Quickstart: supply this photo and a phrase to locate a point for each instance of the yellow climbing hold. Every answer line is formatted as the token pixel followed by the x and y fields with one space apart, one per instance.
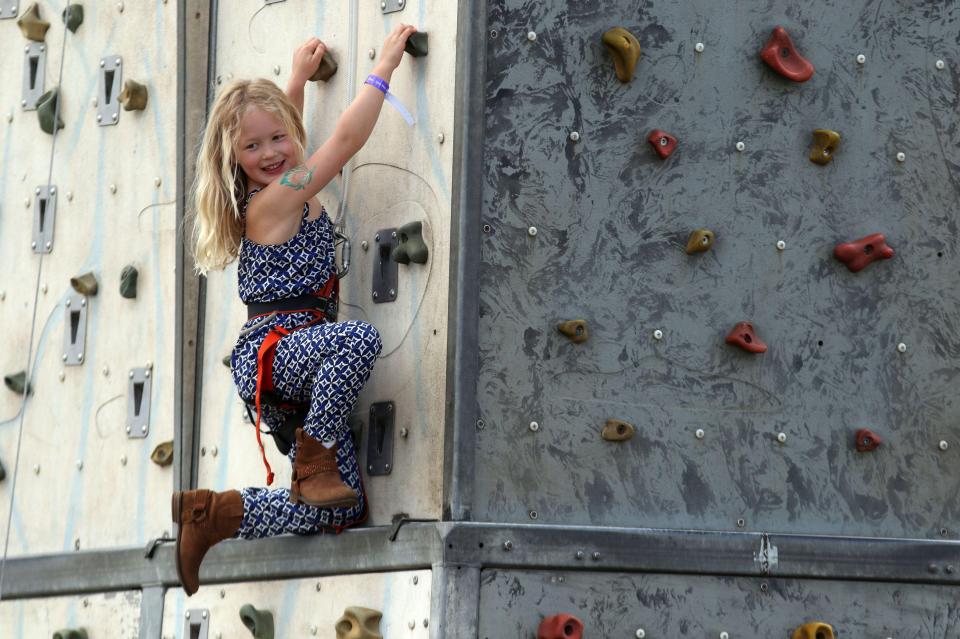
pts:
pixel 133 97
pixel 825 142
pixel 814 630
pixel 576 330
pixel 359 623
pixel 699 241
pixel 616 430
pixel 625 49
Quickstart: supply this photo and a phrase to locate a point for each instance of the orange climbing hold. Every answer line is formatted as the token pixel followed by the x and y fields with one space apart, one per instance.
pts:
pixel 744 336
pixel 858 254
pixel 814 630
pixel 562 626
pixel 781 56
pixel 662 142
pixel 867 440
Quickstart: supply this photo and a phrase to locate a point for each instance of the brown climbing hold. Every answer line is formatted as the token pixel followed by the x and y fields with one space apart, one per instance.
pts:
pixel 576 330
pixel 662 142
pixel 867 440
pixel 562 626
pixel 133 97
pixel 32 25
pixel 326 70
pixel 699 241
pixel 781 56
pixel 744 336
pixel 825 142
pixel 814 630
pixel 625 50
pixel 162 455
pixel 85 284
pixel 616 430
pixel 359 623
pixel 859 253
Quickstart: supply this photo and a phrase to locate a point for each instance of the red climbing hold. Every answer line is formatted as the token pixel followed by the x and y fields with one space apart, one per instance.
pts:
pixel 867 440
pixel 562 626
pixel 746 338
pixel 780 54
pixel 856 255
pixel 662 142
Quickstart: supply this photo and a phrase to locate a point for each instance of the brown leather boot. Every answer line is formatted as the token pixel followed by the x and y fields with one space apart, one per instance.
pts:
pixel 205 518
pixel 316 477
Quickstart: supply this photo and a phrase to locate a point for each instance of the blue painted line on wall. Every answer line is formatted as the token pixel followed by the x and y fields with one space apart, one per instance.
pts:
pixel 288 608
pixel 212 364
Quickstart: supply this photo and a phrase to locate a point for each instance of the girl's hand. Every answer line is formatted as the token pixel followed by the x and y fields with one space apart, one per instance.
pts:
pixel 392 51
pixel 306 59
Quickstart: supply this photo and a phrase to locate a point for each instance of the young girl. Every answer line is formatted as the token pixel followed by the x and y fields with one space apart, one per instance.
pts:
pixel 255 199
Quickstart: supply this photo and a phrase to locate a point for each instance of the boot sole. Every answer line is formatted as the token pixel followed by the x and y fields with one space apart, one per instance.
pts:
pixel 330 504
pixel 175 506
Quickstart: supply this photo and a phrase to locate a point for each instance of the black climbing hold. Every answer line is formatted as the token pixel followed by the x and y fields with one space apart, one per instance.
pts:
pixel 47 111
pixel 17 382
pixel 410 245
pixel 417 44
pixel 79 633
pixel 258 622
pixel 3 472
pixel 73 17
pixel 85 284
pixel 326 70
pixel 128 282
pixel 226 361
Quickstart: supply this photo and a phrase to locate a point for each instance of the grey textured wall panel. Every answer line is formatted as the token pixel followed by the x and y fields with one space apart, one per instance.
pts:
pixel 612 220
pixel 513 603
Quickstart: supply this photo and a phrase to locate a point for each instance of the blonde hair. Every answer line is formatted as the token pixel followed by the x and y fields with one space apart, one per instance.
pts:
pixel 220 183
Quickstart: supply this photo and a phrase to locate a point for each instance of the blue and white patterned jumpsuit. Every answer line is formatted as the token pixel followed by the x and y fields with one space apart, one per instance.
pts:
pixel 325 364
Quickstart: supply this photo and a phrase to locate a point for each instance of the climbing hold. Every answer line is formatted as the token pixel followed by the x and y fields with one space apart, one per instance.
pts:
pixel 417 44
pixel 85 284
pixel 825 142
pixel 73 17
pixel 781 56
pixel 814 630
pixel 576 330
pixel 562 626
pixel 625 50
pixel 32 25
pixel 326 70
pixel 867 440
pixel 662 142
pixel 133 96
pixel 359 623
pixel 226 361
pixel 162 455
pixel 3 472
pixel 258 622
pixel 616 430
pixel 410 245
pixel 858 254
pixel 745 337
pixel 128 282
pixel 47 110
pixel 699 241
pixel 17 382
pixel 79 633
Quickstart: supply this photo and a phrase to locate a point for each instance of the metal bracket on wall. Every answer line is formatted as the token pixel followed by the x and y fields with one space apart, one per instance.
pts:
pixel 138 402
pixel 44 216
pixel 34 72
pixel 75 329
pixel 380 439
pixel 9 9
pixel 392 6
pixel 385 271
pixel 108 102
pixel 196 623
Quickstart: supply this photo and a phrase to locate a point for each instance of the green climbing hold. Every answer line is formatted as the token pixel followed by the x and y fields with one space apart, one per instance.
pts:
pixel 32 25
pixel 226 361
pixel 47 110
pixel 162 455
pixel 326 70
pixel 417 44
pixel 79 633
pixel 73 17
pixel 410 245
pixel 85 284
pixel 258 622
pixel 17 382
pixel 128 282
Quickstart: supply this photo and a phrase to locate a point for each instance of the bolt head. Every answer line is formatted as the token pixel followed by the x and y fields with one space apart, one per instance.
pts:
pixel 532 231
pixel 596 556
pixel 276 69
pixel 157 182
pixel 782 438
pixel 508 545
pixel 204 614
pixel 534 426
pixel 944 445
pixel 640 633
pixel 781 245
pixel 79 464
pixel 441 138
pixel 699 434
pixel 902 347
pixel 579 554
pixel 36 469
pixel 698 47
pixel 372 53
pixel 114 117
pixel 62 376
pixel 861 59
pixel 64 358
pixel 741 146
pixel 103 62
pixel 532 36
pixel 574 136
pixel 658 334
pixel 129 429
pixel 941 64
pixel 724 635
pixel 123 460
pixel 901 157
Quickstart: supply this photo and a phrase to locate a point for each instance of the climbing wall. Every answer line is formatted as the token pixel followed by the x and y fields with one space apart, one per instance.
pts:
pixel 583 220
pixel 513 604
pixel 305 608
pixel 102 360
pixel 114 614
pixel 402 175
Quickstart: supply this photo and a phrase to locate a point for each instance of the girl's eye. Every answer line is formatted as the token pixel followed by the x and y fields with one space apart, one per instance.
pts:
pixel 277 138
pixel 251 147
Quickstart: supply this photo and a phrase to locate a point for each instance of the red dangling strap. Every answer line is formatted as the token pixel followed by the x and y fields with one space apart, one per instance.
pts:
pixel 265 382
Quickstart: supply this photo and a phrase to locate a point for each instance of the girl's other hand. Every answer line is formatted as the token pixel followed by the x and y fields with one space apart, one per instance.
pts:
pixel 306 59
pixel 393 46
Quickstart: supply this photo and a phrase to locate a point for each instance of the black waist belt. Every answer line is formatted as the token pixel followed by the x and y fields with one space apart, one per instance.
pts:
pixel 308 302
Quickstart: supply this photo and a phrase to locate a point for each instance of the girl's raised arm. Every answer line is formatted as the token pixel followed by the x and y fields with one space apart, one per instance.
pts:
pixel 283 199
pixel 306 59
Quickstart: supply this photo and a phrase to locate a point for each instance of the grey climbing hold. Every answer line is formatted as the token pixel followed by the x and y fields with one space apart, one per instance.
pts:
pixel 258 622
pixel 47 110
pixel 17 382
pixel 73 17
pixel 326 70
pixel 410 245
pixel 226 361
pixel 417 44
pixel 128 282
pixel 85 284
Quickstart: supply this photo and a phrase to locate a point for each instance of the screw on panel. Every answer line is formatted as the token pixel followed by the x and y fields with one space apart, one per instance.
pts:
pixel 487 228
pixel 944 445
pixel 741 146
pixel 658 334
pixel 508 545
pixel 532 231
pixel 933 569
pixel 534 514
pixel 36 469
pixel 416 580
pixel 276 69
pixel 698 47
pixel 940 64
pixel 480 424
pixel 372 53
pixel 120 7
pixel 782 438
pixel 901 157
pixel 640 633
pixel 187 614
pixel 404 432
pixel 62 376
pixel 314 630
pixel 861 59
pixel 574 136
pixel 724 635
pixel 595 556
pixel 764 587
pixel 69 196
pixel 441 137
pixel 902 347
pixel 3 295
pixel 76 544
pixel 364 245
pixel 123 460
pixel 79 464
pixel 579 554
pixel 426 623
pixel 534 426
pixel 113 188
pixel 86 602
pixel 129 429
pixel 319 586
pixel 741 523
pixel 532 36
pixel 157 182
pixel 223 593
pixel 781 245
pixel 699 434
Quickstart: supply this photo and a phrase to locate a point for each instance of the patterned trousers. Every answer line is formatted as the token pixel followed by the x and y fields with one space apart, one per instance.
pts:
pixel 325 365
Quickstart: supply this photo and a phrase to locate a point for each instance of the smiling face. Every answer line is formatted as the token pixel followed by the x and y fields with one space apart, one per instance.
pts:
pixel 265 150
